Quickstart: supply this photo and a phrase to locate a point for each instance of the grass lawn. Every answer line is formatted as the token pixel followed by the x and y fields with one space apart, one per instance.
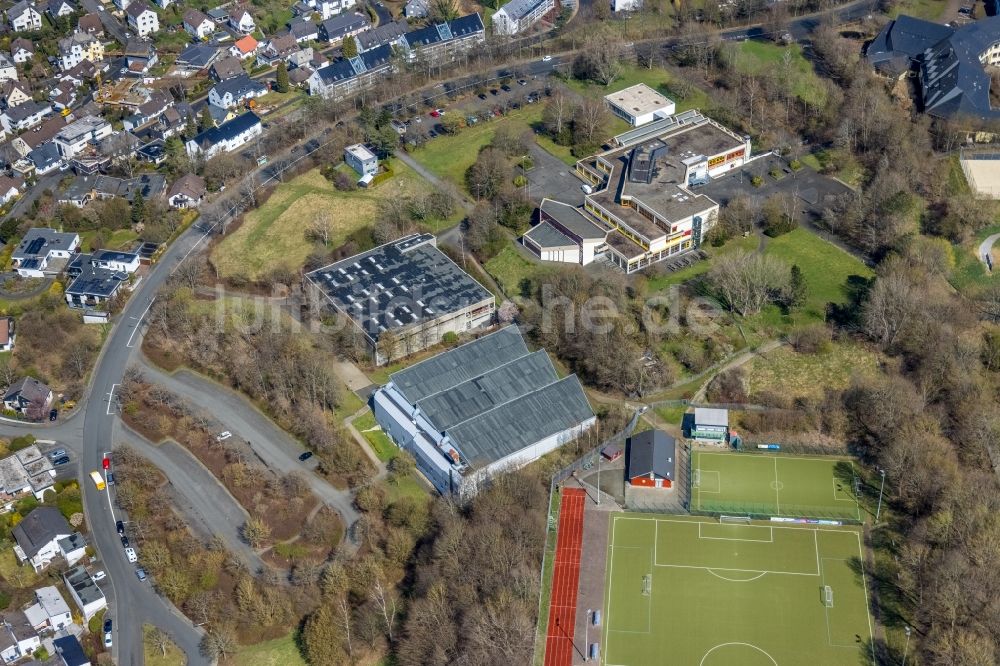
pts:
pixel 719 594
pixel 274 235
pixel 756 57
pixel 408 486
pixel 120 239
pixel 15 575
pixel 786 372
pixel 929 10
pixel 850 173
pixel 969 274
pixel 383 447
pixel 825 268
pixel 279 652
pixel 657 78
pixel 510 268
pixel 672 415
pixel 154 656
pixel 678 277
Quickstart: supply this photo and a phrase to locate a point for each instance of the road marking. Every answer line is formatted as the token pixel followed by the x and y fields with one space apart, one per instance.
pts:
pixel 138 324
pixel 111 398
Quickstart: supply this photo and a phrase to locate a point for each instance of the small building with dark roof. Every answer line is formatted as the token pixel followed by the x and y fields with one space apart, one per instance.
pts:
pixel 38 536
pixel 565 234
pixel 403 296
pixel 650 459
pixel 226 137
pixel 70 651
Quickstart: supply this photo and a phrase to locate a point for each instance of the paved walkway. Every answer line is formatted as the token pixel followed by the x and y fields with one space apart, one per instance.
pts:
pixel 767 347
pixel 432 178
pixel 986 247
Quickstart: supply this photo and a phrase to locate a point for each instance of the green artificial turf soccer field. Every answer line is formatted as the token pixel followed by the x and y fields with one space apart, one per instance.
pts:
pixel 698 592
pixel 750 483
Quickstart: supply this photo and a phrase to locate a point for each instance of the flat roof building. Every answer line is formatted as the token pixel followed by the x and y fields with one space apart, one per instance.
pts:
pixel 479 409
pixel 404 296
pixel 639 104
pixel 710 425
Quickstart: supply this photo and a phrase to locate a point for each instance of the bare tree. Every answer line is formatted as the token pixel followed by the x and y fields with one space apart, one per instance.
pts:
pixel 385 601
pixel 747 281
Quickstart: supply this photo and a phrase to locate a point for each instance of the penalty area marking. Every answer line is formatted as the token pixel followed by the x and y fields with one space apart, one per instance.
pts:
pixel 749 645
pixel 738 580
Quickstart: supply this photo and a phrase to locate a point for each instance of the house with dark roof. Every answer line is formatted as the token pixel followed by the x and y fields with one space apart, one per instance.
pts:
pixel 141 18
pixel 70 651
pixel 197 24
pixel 403 296
pixel 480 409
pixel 38 539
pixel 241 20
pixel 45 158
pixel 198 57
pixel 85 592
pixel 347 75
pixel 39 248
pixel 91 24
pixel 18 638
pixel 24 116
pixel 57 8
pixel 334 29
pixel 22 50
pixel 235 91
pixel 386 33
pixel 650 459
pixel 23 16
pixel 303 30
pixel 27 394
pixel 188 191
pixel 226 67
pixel 279 47
pixel 565 234
pixel 94 286
pixel 948 61
pixel 440 41
pixel 226 137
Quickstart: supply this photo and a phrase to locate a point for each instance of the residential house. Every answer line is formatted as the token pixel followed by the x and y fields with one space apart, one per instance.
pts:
pixel 10 188
pixel 57 8
pixel 78 47
pixel 140 55
pixel 362 160
pixel 8 333
pixel 519 15
pixel 343 77
pixel 245 47
pixel 301 58
pixel 416 8
pixel 94 286
pixel 50 611
pixel 330 8
pixel 444 40
pixel 234 92
pixel 44 535
pixel 70 651
pixel 79 134
pixel 334 29
pixel 24 116
pixel 226 137
pixel 22 50
pixel 303 31
pixel 188 191
pixel 38 136
pixel 18 639
pixel 39 247
pixel 241 20
pixel 122 4
pixel 13 93
pixel 26 472
pixel 91 24
pixel 299 77
pixel 197 57
pixel 226 67
pixel 62 95
pixel 197 24
pixel 85 592
pixel 8 70
pixel 278 48
pixel 45 158
pixel 23 16
pixel 113 260
pixel 141 18
pixel 386 33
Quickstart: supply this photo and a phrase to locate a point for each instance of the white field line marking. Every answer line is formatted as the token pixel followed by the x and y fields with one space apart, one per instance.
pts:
pixel 777 493
pixel 749 645
pixel 138 323
pixel 841 499
pixel 649 600
pixel 816 542
pixel 767 571
pixel 768 527
pixel 111 398
pixel 739 580
pixel 786 457
pixel 656 539
pixel 864 585
pixel 718 483
pixel 847 528
pixel 611 578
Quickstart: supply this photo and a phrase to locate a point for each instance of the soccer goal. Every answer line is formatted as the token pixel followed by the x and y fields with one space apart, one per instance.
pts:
pixel 828 596
pixel 647 585
pixel 697 478
pixel 735 519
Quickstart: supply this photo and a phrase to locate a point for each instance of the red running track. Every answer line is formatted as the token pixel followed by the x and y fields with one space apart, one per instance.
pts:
pixel 565 580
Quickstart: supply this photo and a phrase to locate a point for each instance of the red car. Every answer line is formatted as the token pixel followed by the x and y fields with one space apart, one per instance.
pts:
pixel 436 113
pixel 106 462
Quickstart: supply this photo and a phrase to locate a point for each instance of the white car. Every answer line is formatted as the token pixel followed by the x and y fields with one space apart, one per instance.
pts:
pixel 223 436
pixel 98 575
pixel 107 639
pixel 547 58
pixel 130 554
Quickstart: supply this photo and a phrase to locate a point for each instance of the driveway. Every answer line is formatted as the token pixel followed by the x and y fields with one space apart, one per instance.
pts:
pixel 986 249
pixel 275 447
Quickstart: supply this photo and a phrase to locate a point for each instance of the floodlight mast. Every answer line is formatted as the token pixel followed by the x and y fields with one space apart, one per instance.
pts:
pixel 878 511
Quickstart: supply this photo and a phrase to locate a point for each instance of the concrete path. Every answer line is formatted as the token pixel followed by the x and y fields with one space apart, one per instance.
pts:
pixel 202 498
pixel 986 247
pixel 275 447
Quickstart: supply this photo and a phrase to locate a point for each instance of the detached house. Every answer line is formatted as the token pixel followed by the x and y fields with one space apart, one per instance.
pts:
pixel 226 67
pixel 235 91
pixel 335 29
pixel 330 8
pixel 24 116
pixel 280 47
pixel 23 16
pixel 75 137
pixel 22 50
pixel 57 8
pixel 245 47
pixel 186 192
pixel 49 611
pixel 78 47
pixel 8 72
pixel 197 24
pixel 8 334
pixel 27 395
pixel 303 31
pixel 10 188
pixel 44 535
pixel 91 24
pixel 40 246
pixel 142 18
pixel 241 20
pixel 85 592
pixel 13 94
pixel 18 639
pixel 226 137
pixel 93 285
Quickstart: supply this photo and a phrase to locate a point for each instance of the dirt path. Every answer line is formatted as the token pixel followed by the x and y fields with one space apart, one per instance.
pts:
pixel 767 347
pixel 986 248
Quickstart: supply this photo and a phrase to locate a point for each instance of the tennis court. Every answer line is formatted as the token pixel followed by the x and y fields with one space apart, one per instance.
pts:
pixel 698 591
pixel 774 485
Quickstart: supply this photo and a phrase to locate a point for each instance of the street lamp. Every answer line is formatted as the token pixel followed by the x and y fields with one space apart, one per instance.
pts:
pixel 586 626
pixel 907 646
pixel 878 511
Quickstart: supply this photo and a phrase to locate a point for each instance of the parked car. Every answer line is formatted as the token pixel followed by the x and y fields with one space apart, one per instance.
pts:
pixel 522 82
pixel 140 573
pixel 436 113
pixel 130 554
pixel 107 625
pixel 547 58
pixel 124 542
pixel 58 453
pixel 98 575
pixel 107 633
pixel 61 461
pixel 223 436
pixel 53 414
pixel 482 95
pixel 306 455
pixel 120 526
pixel 505 88
pixel 111 479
